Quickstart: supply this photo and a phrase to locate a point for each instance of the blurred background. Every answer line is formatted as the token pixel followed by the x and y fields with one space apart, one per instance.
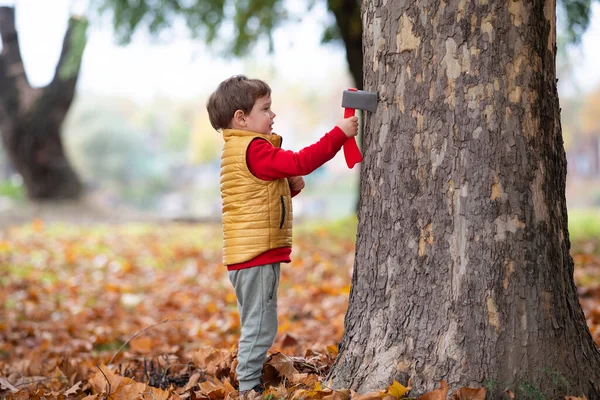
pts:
pixel 121 86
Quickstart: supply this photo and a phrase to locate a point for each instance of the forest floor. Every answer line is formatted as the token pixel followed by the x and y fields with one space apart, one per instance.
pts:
pixel 103 304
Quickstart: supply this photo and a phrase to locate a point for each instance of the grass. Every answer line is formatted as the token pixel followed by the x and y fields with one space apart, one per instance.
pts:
pixel 584 223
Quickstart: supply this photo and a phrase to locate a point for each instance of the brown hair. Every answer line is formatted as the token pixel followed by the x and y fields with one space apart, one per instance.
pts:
pixel 235 93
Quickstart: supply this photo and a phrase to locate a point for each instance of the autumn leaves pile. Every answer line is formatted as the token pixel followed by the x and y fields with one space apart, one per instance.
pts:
pixel 146 311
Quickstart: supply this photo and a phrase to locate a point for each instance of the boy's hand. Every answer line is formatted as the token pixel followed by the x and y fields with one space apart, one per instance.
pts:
pixel 296 183
pixel 349 126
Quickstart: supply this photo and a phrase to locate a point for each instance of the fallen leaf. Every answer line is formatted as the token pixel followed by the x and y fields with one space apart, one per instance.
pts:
pixel 288 341
pixel 5 384
pixel 397 390
pixel 437 394
pixel 284 365
pixel 74 389
pixel 143 344
pixel 378 395
pixel 466 393
pixel 343 394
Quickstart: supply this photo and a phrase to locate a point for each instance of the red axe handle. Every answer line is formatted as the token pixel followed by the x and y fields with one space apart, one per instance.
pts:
pixel 351 151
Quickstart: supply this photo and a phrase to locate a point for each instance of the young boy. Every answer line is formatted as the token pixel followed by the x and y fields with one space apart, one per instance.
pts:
pixel 258 181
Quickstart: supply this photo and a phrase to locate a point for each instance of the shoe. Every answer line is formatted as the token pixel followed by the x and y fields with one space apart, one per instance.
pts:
pixel 259 389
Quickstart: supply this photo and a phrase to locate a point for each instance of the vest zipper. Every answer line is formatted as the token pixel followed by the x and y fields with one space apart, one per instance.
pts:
pixel 282 213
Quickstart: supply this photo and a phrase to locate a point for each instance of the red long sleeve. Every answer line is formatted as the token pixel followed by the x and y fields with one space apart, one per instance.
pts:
pixel 269 163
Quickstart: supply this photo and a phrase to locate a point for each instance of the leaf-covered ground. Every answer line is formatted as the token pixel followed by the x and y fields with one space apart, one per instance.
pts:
pixel 147 311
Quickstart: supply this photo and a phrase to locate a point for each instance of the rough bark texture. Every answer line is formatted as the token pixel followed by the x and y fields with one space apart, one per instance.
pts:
pixel 31 118
pixel 462 267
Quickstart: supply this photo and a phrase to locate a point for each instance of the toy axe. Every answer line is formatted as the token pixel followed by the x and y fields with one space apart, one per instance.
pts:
pixel 351 100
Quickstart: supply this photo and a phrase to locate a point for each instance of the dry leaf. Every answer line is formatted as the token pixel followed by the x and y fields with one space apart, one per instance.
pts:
pixel 74 389
pixel 437 394
pixel 397 390
pixel 378 395
pixel 284 365
pixel 288 341
pixel 343 394
pixel 142 344
pixel 5 384
pixel 466 393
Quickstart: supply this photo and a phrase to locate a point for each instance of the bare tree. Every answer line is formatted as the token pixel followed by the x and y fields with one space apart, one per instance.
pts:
pixel 31 118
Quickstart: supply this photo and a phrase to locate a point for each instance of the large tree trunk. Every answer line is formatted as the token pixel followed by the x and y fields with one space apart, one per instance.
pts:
pixel 31 118
pixel 462 267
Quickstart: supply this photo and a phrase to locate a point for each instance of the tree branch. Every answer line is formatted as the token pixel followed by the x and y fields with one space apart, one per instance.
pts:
pixel 347 16
pixel 12 62
pixel 62 87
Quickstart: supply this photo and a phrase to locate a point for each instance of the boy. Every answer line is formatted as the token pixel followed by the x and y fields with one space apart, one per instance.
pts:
pixel 258 180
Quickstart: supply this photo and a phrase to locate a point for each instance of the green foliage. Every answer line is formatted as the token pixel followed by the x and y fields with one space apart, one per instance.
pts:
pixel 252 19
pixel 577 15
pixel 12 190
pixel 584 223
pixel 78 41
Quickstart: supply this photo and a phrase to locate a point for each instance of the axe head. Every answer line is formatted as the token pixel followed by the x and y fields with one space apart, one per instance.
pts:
pixel 359 99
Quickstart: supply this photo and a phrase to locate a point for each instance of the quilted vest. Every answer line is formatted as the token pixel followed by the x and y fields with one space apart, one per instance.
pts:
pixel 257 214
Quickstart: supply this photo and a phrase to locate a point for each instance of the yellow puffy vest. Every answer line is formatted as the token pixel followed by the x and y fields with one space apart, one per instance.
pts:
pixel 257 214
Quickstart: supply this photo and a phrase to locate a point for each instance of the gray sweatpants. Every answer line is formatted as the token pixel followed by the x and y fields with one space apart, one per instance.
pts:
pixel 256 292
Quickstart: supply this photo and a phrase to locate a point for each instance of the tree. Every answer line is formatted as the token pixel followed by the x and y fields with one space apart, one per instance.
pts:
pixel 253 20
pixel 31 118
pixel 462 268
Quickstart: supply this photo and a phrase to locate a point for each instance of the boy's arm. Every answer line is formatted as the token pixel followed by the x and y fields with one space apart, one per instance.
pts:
pixel 269 163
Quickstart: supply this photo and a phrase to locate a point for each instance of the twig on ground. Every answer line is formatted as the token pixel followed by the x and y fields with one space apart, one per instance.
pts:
pixel 139 333
pixel 107 381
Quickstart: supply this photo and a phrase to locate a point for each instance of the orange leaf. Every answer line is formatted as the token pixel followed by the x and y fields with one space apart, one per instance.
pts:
pixel 466 393
pixel 378 395
pixel 142 344
pixel 37 225
pixel 437 394
pixel 305 379
pixel 397 390
pixel 343 394
pixel 159 394
pixel 288 341
pixel 284 365
pixel 214 362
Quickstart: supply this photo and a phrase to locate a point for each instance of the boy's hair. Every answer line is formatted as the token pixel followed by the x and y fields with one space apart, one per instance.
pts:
pixel 235 93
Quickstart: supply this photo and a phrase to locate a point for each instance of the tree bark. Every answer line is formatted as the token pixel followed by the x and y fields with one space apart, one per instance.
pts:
pixel 462 267
pixel 31 118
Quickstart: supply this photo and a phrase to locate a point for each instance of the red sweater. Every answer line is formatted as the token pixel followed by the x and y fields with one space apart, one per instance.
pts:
pixel 270 163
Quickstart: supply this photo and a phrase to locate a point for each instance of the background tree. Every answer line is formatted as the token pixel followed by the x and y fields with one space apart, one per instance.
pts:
pixel 462 267
pixel 31 118
pixel 253 20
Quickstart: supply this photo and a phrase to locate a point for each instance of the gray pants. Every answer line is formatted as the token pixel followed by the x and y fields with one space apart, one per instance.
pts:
pixel 256 292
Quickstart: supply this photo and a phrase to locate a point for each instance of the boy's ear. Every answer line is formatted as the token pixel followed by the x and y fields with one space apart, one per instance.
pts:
pixel 239 118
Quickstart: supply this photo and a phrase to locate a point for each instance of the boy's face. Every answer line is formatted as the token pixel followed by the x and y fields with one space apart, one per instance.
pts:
pixel 260 118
